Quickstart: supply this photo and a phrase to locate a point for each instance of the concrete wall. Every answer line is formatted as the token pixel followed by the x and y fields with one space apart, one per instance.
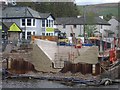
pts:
pixel 41 60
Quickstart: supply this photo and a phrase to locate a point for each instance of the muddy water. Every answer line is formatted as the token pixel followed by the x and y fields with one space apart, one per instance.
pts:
pixel 34 83
pixel 25 83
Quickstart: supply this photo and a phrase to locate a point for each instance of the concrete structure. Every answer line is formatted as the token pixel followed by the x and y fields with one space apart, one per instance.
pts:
pixel 58 54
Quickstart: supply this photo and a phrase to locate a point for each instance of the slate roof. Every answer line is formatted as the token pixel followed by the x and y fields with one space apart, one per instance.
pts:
pixel 22 12
pixel 81 21
pixel 6 26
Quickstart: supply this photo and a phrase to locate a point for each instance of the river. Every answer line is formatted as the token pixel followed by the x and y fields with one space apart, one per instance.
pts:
pixel 35 83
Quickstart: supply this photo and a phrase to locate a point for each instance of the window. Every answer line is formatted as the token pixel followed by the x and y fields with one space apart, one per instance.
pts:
pixel 33 33
pixel 29 35
pixel 23 35
pixel 47 34
pixel 64 26
pixel 51 23
pixel 47 23
pixel 33 22
pixel 101 27
pixel 43 34
pixel 51 34
pixel 43 23
pixel 23 22
pixel 29 22
pixel 74 26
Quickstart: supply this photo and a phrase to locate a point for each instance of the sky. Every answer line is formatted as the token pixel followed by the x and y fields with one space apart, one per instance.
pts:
pixel 80 2
pixel 87 2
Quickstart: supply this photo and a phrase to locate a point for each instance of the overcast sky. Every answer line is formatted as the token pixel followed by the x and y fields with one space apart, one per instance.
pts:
pixel 78 2
pixel 87 2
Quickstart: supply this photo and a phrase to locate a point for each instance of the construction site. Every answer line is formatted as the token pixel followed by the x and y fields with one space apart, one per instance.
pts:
pixel 54 57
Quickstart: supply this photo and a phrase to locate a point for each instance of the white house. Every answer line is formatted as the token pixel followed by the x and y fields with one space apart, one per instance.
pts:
pixel 114 26
pixel 64 24
pixel 30 21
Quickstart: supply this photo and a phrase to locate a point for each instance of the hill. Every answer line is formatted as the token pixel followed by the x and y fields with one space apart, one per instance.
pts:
pixel 100 9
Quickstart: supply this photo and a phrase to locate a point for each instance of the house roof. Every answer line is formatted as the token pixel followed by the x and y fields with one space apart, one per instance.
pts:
pixel 11 26
pixel 81 21
pixel 44 15
pixel 22 12
pixel 3 27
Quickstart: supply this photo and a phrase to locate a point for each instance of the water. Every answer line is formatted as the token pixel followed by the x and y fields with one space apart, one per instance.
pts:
pixel 34 83
pixel 25 83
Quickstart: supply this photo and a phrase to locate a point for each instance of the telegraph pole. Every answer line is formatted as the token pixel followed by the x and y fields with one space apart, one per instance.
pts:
pixel 84 18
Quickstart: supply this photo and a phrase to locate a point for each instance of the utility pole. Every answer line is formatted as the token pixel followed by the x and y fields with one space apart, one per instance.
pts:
pixel 84 18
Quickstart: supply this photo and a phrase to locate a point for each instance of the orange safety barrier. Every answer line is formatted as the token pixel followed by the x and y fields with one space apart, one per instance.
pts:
pixel 112 54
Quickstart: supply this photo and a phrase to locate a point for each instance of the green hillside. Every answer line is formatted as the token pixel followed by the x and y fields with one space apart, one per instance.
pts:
pixel 100 9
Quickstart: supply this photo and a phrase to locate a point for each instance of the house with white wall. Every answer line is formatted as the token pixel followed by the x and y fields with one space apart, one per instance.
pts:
pixel 114 26
pixel 30 21
pixel 64 24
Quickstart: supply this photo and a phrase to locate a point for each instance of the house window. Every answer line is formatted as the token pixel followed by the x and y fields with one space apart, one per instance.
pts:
pixel 101 26
pixel 47 23
pixel 74 26
pixel 47 34
pixel 29 22
pixel 51 23
pixel 29 35
pixel 33 33
pixel 23 22
pixel 64 26
pixel 33 22
pixel 43 34
pixel 43 23
pixel 23 35
pixel 51 34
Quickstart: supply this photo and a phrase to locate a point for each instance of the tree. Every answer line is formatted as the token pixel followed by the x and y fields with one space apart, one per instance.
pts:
pixel 89 29
pixel 108 16
pixel 58 9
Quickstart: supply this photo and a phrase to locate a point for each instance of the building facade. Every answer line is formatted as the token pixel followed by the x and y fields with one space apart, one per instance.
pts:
pixel 30 21
pixel 97 24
